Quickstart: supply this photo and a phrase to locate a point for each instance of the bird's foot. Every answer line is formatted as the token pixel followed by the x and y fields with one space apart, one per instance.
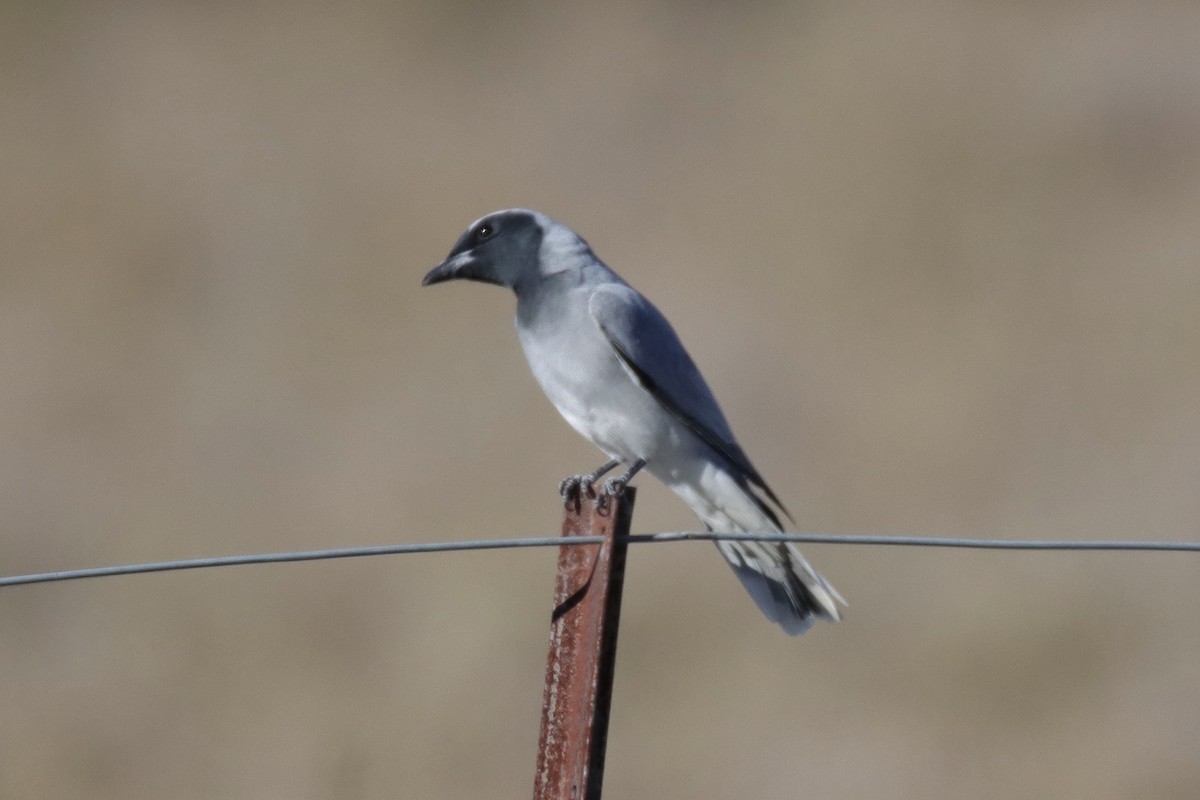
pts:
pixel 574 486
pixel 614 486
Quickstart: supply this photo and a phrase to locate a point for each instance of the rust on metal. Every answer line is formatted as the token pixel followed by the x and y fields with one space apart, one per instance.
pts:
pixel 583 649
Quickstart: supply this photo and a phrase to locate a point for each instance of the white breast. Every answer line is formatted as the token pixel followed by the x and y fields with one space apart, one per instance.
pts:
pixel 584 380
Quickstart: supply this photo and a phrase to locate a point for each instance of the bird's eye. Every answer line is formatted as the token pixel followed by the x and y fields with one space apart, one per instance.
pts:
pixel 484 232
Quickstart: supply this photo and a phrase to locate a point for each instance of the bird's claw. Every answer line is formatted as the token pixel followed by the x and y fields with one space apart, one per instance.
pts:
pixel 614 486
pixel 574 486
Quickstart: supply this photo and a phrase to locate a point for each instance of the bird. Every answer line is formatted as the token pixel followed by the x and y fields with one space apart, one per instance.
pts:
pixel 615 369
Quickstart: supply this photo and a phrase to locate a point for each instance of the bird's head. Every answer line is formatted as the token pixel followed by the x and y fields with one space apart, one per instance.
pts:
pixel 501 248
pixel 514 248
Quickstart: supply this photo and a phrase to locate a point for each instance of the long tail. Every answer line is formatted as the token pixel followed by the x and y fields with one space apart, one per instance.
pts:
pixel 788 591
pixel 722 494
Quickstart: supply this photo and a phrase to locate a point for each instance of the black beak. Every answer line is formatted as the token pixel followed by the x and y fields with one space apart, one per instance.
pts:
pixel 464 266
pixel 445 271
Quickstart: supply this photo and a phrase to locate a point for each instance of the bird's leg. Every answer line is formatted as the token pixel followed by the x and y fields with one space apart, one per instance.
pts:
pixel 583 483
pixel 613 486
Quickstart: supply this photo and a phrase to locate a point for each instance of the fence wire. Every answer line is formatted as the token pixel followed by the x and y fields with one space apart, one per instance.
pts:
pixel 640 538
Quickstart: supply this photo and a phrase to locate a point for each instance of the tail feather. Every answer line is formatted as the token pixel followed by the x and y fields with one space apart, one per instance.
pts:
pixel 783 585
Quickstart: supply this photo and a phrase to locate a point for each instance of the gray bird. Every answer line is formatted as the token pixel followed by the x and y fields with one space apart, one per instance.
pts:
pixel 615 369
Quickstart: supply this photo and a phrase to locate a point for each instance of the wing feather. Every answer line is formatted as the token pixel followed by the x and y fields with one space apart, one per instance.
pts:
pixel 648 347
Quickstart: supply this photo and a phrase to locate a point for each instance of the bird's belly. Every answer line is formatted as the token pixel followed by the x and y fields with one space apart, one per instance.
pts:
pixel 621 419
pixel 599 399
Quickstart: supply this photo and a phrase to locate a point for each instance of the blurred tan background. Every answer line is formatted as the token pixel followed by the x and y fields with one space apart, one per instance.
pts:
pixel 938 260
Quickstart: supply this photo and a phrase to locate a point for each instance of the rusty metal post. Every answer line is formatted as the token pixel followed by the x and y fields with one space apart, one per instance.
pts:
pixel 583 650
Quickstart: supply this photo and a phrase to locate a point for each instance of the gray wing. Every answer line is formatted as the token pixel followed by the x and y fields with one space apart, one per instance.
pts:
pixel 647 346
